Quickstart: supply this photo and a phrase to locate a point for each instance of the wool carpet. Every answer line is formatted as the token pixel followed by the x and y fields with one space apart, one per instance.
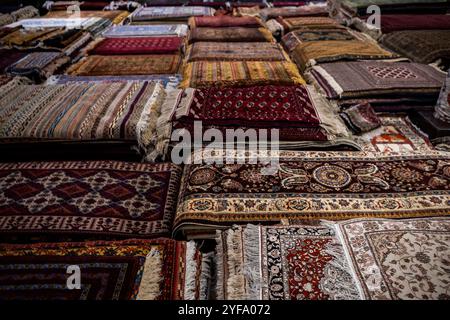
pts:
pixel 232 34
pixel 138 45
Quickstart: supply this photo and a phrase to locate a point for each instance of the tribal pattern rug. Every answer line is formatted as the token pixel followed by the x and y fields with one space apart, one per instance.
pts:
pixel 363 259
pixel 88 111
pixel 160 269
pixel 147 30
pixel 138 45
pixel 235 51
pixel 124 65
pixel 38 65
pixel 375 78
pixel 290 24
pixel 403 22
pixel 90 198
pixel 239 73
pixel 399 259
pixel 291 40
pixel 234 34
pixel 422 46
pixel 170 13
pixel 314 185
pixel 223 22
pixel 115 16
pixel 294 11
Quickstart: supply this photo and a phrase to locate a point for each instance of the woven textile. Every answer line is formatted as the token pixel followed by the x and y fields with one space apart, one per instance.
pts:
pixel 420 46
pixel 224 22
pixel 101 199
pixel 290 24
pixel 312 186
pixel 233 51
pixel 360 118
pixel 313 52
pixel 81 111
pixel 442 108
pixel 399 260
pixel 112 270
pixel 270 13
pixel 396 135
pixel 146 31
pixel 402 22
pixel 170 13
pixel 235 34
pixel 114 16
pixel 237 73
pixel 118 65
pixel 375 78
pixel 359 7
pixel 28 38
pixel 38 65
pixel 139 45
pixel 296 37
pixel 283 263
pixel 9 57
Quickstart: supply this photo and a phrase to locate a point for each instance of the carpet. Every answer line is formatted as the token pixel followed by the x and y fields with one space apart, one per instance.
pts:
pixel 146 31
pixel 310 53
pixel 399 260
pixel 28 38
pixel 119 65
pixel 115 16
pixel 290 24
pixel 291 40
pixel 170 13
pixel 92 199
pixel 235 51
pixel 311 11
pixel 427 46
pixel 9 57
pixel 359 7
pixel 312 186
pixel 231 34
pixel 403 22
pixel 377 78
pixel 138 45
pixel 360 259
pixel 397 135
pixel 91 111
pixel 239 73
pixel 160 269
pixel 223 22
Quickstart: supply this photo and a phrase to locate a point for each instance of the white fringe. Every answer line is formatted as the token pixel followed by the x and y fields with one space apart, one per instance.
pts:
pixel 252 267
pixel 336 87
pixel 191 272
pixel 149 288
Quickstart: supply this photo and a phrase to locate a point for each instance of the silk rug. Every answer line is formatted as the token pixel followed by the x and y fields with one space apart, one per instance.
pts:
pixel 232 34
pixel 89 111
pixel 232 51
pixel 138 45
pixel 124 65
pixel 362 259
pixel 90 198
pixel 239 73
pixel 422 46
pixel 311 186
pixel 160 269
pixel 377 78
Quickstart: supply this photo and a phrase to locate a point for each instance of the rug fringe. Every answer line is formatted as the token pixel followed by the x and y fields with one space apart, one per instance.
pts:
pixel 251 265
pixel 191 272
pixel 149 288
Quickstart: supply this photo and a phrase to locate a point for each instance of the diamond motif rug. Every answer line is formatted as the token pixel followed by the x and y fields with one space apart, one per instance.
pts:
pixel 138 45
pixel 92 199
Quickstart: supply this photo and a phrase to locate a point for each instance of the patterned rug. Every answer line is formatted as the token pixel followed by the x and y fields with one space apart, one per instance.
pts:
pixel 223 22
pixel 88 111
pixel 239 73
pixel 170 13
pixel 423 46
pixel 403 22
pixel 147 30
pixel 314 185
pixel 368 259
pixel 397 135
pixel 234 34
pixel 310 53
pixel 160 269
pixel 124 65
pixel 291 40
pixel 9 57
pixel 138 45
pixel 101 199
pixel 377 78
pixel 294 11
pixel 116 16
pixel 38 65
pixel 290 24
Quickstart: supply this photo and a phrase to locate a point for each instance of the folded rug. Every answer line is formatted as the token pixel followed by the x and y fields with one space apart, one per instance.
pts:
pixel 147 30
pixel 224 22
pixel 363 259
pixel 294 11
pixel 115 16
pixel 89 111
pixel 118 65
pixel 160 269
pixel 312 186
pixel 403 22
pixel 290 24
pixel 235 51
pixel 9 57
pixel 138 45
pixel 93 199
pixel 291 40
pixel 427 46
pixel 377 78
pixel 239 73
pixel 170 13
pixel 232 34
pixel 310 53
